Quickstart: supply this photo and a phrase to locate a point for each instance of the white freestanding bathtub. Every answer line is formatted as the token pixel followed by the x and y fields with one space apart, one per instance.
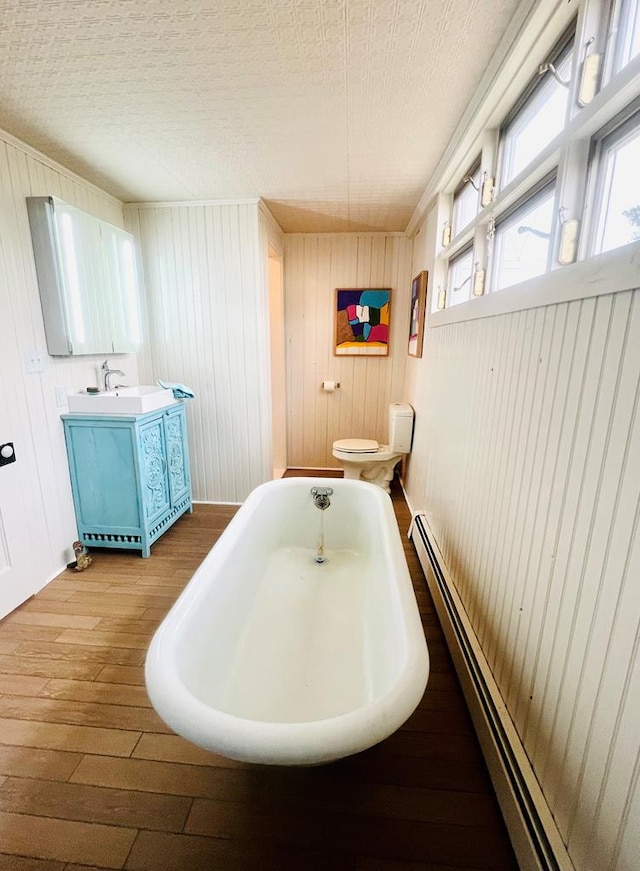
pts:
pixel 268 656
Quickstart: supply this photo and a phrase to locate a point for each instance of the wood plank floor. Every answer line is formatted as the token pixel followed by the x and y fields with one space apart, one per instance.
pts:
pixel 90 777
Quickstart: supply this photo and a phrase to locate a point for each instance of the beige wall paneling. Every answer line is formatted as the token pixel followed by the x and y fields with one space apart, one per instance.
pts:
pixel 35 424
pixel 315 265
pixel 526 462
pixel 207 311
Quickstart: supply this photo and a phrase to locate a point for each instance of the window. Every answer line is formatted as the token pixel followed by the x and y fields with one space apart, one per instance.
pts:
pixel 539 115
pixel 466 198
pixel 617 189
pixel 627 44
pixel 460 277
pixel 560 178
pixel 522 241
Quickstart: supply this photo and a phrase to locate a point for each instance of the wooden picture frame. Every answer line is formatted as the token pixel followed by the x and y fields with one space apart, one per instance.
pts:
pixel 362 321
pixel 417 313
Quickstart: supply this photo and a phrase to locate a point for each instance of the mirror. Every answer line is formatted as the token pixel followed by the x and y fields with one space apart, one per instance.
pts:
pixel 87 279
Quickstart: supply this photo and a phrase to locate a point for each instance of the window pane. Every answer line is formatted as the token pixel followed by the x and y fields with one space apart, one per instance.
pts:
pixel 628 41
pixel 538 122
pixel 460 274
pixel 466 200
pixel 620 203
pixel 522 242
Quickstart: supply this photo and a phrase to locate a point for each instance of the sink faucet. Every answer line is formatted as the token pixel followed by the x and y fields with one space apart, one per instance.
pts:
pixel 106 374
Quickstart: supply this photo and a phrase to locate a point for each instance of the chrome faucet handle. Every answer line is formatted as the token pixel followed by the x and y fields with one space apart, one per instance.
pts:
pixel 321 497
pixel 106 374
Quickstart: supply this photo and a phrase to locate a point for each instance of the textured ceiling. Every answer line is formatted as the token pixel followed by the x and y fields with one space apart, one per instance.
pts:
pixel 334 111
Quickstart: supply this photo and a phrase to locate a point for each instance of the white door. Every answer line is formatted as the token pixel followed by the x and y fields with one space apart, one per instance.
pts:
pixel 17 572
pixel 19 566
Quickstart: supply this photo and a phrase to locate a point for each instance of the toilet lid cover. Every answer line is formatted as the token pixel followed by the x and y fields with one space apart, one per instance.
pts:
pixel 357 446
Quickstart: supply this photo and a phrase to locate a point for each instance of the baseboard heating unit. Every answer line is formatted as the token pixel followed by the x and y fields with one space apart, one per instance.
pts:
pixel 534 835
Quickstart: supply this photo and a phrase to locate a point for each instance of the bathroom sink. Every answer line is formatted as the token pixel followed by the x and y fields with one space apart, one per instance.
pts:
pixel 122 400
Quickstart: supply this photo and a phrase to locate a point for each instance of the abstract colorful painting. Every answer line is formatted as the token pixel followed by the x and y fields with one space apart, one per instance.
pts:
pixel 416 313
pixel 362 321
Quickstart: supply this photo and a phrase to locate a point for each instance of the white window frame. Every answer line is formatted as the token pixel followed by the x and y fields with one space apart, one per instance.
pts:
pixel 539 83
pixel 569 153
pixel 602 144
pixel 621 15
pixel 468 249
pixel 536 193
pixel 476 167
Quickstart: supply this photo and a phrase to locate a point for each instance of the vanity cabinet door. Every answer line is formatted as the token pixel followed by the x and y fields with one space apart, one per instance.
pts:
pixel 177 454
pixel 153 469
pixel 103 475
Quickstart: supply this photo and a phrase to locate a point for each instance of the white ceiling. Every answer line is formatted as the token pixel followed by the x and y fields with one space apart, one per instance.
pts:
pixel 336 112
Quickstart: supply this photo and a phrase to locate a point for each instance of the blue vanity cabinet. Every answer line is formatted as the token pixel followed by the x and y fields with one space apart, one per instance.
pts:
pixel 129 475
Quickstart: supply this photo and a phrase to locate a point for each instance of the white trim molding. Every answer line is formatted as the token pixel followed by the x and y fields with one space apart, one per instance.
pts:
pixel 59 168
pixel 248 201
pixel 612 272
pixel 534 835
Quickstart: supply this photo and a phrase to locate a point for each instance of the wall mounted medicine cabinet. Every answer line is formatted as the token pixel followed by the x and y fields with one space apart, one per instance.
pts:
pixel 87 279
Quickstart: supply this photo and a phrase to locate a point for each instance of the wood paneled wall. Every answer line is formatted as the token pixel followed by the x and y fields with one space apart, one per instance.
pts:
pixel 315 265
pixel 526 459
pixel 29 415
pixel 208 310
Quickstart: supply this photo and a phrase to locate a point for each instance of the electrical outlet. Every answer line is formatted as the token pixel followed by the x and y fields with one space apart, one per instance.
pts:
pixel 34 361
pixel 61 397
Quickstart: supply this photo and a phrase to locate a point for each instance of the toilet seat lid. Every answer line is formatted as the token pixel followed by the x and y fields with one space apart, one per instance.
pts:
pixel 357 446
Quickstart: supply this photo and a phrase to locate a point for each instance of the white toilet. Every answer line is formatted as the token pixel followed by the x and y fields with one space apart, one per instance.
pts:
pixel 366 460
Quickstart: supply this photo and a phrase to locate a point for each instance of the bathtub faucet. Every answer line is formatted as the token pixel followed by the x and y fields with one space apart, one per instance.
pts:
pixel 321 497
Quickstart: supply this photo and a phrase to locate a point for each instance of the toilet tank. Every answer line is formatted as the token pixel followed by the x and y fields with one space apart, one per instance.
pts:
pixel 400 427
